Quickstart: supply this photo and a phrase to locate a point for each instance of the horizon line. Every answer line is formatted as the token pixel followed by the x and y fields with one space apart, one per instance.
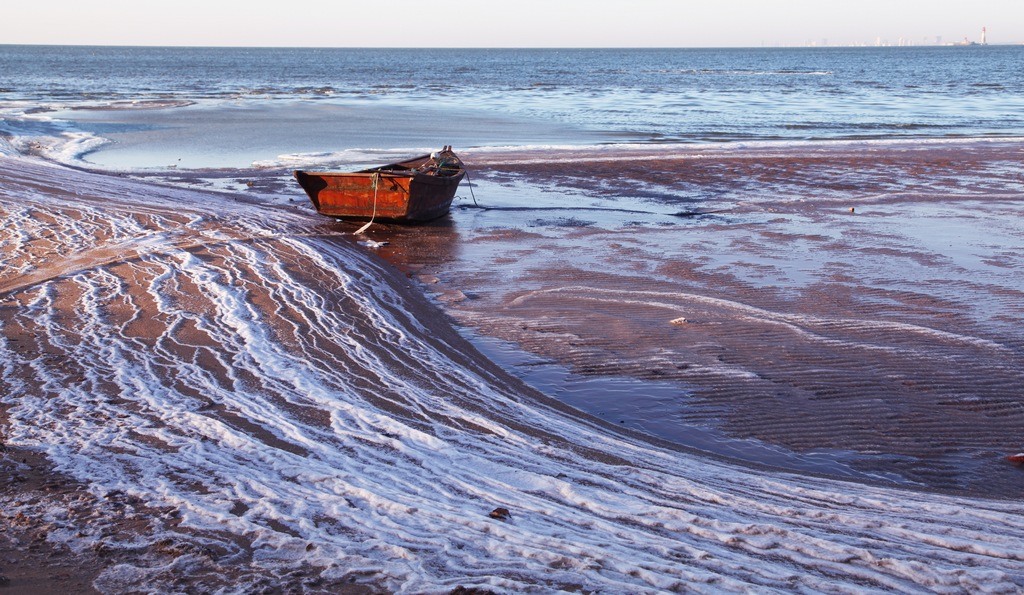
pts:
pixel 510 47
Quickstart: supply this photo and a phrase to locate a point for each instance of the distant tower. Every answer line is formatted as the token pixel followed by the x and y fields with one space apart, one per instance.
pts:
pixel 983 40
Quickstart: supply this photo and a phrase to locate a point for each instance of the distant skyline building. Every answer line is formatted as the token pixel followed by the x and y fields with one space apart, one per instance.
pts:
pixel 902 41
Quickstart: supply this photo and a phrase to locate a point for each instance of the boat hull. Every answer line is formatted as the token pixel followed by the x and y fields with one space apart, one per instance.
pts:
pixel 390 193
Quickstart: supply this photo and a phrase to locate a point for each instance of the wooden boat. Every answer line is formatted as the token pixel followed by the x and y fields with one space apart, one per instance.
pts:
pixel 414 190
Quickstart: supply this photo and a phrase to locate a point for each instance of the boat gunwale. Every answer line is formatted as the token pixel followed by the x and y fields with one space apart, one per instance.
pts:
pixel 392 170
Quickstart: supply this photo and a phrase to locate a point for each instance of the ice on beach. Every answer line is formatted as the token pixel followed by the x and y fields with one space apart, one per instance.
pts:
pixel 278 386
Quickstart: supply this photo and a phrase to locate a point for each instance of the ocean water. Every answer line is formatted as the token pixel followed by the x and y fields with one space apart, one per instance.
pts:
pixel 180 327
pixel 233 107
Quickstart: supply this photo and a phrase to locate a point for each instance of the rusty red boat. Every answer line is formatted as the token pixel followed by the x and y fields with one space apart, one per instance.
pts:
pixel 411 191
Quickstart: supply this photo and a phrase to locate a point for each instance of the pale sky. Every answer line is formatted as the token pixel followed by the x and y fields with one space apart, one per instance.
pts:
pixel 504 23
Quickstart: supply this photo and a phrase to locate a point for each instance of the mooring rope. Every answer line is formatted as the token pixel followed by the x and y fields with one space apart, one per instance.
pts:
pixel 375 182
pixel 470 184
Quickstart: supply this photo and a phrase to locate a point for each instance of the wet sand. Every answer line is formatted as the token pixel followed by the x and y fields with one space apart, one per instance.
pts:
pixel 204 392
pixel 63 534
pixel 859 308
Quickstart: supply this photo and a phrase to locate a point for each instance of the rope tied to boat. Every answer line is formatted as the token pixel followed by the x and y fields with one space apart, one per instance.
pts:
pixel 374 183
pixel 446 159
pixel 470 184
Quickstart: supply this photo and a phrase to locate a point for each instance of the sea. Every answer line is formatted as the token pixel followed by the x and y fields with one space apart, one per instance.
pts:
pixel 766 303
pixel 233 107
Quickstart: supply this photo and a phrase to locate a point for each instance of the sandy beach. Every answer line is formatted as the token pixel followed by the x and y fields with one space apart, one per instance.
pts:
pixel 62 533
pixel 865 318
pixel 206 393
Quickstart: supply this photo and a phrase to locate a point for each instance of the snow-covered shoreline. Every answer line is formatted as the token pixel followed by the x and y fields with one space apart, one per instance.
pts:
pixel 293 404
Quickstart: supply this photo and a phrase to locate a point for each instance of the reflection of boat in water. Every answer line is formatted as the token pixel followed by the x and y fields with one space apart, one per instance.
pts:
pixel 417 189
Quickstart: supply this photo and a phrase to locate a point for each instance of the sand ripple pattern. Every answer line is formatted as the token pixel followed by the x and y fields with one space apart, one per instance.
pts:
pixel 802 380
pixel 831 301
pixel 299 407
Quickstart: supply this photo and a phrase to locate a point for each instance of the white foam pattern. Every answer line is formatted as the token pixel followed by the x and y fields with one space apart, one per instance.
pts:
pixel 283 387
